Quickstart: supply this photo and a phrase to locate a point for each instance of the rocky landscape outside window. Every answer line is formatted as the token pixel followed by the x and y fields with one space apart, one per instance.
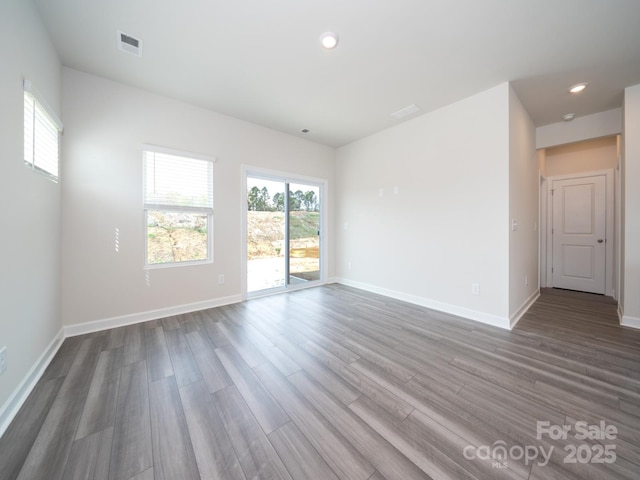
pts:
pixel 178 207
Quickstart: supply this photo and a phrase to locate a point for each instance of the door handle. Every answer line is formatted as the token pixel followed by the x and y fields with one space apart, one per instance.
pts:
pixel 600 240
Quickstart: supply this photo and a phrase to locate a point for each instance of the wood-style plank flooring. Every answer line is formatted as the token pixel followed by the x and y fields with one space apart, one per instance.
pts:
pixel 335 383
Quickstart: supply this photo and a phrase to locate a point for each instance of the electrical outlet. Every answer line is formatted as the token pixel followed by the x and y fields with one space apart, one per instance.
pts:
pixel 349 266
pixel 475 289
pixel 526 281
pixel 3 360
pixel 221 279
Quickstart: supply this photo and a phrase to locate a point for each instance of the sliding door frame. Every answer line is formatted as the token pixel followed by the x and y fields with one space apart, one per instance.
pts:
pixel 287 178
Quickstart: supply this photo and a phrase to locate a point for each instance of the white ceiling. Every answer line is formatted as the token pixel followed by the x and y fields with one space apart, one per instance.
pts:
pixel 260 60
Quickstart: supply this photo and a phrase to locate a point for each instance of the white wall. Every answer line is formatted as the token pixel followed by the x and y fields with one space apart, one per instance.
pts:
pixel 29 203
pixel 447 227
pixel 523 208
pixel 582 157
pixel 631 246
pixel 106 123
pixel 601 124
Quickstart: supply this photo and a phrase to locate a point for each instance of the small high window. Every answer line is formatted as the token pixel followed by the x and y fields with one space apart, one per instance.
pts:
pixel 41 133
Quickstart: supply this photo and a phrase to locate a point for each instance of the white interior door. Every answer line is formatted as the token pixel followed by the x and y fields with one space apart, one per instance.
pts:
pixel 579 234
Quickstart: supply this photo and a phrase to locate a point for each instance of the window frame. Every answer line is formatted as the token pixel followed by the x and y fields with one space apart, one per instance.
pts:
pixel 40 111
pixel 148 207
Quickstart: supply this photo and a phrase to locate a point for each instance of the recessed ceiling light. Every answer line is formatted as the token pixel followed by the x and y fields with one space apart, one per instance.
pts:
pixel 567 117
pixel 329 40
pixel 578 87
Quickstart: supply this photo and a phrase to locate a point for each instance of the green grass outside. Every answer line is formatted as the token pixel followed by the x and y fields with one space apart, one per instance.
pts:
pixel 304 224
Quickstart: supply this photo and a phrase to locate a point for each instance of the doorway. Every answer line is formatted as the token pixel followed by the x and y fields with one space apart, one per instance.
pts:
pixel 283 232
pixel 580 232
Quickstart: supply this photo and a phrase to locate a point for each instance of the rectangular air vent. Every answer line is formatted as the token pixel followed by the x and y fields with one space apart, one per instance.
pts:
pixel 411 109
pixel 129 44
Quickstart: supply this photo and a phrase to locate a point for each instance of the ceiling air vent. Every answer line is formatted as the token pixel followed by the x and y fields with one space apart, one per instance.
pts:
pixel 129 44
pixel 410 110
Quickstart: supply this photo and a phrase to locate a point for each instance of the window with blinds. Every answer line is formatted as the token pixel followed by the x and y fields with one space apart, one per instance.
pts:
pixel 178 205
pixel 41 133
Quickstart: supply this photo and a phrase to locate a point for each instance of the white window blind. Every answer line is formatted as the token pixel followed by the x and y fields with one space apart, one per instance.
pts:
pixel 178 205
pixel 41 134
pixel 177 182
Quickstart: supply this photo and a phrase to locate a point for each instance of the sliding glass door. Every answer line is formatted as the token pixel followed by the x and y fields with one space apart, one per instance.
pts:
pixel 304 233
pixel 266 238
pixel 283 233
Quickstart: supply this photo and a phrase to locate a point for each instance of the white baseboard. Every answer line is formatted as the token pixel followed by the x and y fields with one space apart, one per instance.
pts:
pixel 628 321
pixel 482 317
pixel 13 404
pixel 107 323
pixel 515 318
